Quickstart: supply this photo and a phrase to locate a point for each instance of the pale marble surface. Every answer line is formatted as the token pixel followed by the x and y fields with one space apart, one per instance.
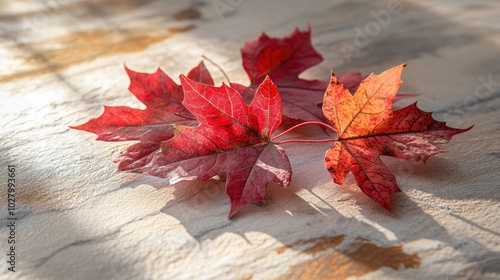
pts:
pixel 79 219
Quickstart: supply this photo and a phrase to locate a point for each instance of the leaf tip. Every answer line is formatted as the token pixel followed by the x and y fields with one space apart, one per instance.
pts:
pixel 234 210
pixel 231 214
pixel 466 129
pixel 202 62
pixel 333 77
pixel 184 79
pixel 129 71
pixel 386 203
pixel 387 206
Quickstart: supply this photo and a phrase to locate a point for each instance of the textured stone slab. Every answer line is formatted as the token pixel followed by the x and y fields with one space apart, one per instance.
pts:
pixel 79 219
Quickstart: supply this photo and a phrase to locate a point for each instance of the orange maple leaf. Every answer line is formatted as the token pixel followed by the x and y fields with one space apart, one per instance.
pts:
pixel 368 128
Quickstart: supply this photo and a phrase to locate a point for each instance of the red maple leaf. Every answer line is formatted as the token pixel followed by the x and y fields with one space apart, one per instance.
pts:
pixel 283 59
pixel 368 128
pixel 163 100
pixel 231 137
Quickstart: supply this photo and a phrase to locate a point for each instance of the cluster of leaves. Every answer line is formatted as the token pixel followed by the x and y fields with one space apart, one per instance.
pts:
pixel 197 130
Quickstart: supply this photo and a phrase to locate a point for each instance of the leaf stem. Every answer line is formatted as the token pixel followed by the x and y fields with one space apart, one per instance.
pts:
pixel 303 124
pixel 305 141
pixel 184 117
pixel 218 67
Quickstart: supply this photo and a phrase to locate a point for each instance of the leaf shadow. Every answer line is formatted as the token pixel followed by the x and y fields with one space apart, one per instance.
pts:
pixel 202 208
pixel 413 221
pixel 443 177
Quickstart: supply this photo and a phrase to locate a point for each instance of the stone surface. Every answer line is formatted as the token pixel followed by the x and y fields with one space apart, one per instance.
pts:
pixel 77 218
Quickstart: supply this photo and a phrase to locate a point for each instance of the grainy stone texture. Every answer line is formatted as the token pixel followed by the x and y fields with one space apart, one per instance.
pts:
pixel 77 218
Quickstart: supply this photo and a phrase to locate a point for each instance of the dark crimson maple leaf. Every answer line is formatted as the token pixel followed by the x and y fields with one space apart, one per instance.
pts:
pixel 283 59
pixel 231 137
pixel 351 81
pixel 163 100
pixel 368 128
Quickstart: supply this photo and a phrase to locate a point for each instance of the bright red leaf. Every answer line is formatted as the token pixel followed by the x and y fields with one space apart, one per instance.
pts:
pixel 163 100
pixel 231 137
pixel 368 128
